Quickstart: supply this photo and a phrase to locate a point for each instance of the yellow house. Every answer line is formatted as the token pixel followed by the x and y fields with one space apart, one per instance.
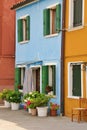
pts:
pixel 75 55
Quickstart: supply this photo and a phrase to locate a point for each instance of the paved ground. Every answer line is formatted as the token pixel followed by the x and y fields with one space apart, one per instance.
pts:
pixel 21 120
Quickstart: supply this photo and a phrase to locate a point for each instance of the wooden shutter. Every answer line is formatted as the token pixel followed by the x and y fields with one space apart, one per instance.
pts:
pixel 58 17
pixel 17 77
pixel 46 22
pixel 76 80
pixel 77 21
pixel 54 79
pixel 44 78
pixel 20 30
pixel 28 27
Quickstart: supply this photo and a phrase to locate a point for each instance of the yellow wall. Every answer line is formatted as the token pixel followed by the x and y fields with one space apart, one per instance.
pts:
pixel 75 50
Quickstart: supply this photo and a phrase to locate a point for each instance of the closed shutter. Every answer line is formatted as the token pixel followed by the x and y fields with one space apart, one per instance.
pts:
pixel 28 27
pixel 44 78
pixel 20 30
pixel 58 17
pixel 54 79
pixel 76 80
pixel 17 77
pixel 77 21
pixel 46 22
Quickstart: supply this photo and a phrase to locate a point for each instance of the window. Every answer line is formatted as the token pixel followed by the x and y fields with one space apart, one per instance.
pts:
pixel 49 79
pixel 24 29
pixel 76 13
pixel 52 20
pixel 74 78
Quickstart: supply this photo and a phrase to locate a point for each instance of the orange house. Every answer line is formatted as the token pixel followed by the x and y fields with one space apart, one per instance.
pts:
pixel 75 55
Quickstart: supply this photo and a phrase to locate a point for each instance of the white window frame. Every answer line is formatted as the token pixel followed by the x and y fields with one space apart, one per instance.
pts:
pixel 70 79
pixel 71 16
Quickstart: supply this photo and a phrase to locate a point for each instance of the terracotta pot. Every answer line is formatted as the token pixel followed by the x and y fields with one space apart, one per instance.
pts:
pixel 33 112
pixel 53 112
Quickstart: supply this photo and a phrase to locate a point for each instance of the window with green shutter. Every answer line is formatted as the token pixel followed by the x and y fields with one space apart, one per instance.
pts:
pixel 17 77
pixel 49 79
pixel 77 15
pixel 24 29
pixel 76 89
pixel 52 20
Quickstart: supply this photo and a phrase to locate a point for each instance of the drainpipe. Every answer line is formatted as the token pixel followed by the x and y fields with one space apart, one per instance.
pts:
pixel 62 57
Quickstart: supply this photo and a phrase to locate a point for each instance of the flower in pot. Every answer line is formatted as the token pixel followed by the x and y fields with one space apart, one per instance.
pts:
pixel 4 95
pixel 15 99
pixel 42 101
pixel 53 109
pixel 20 87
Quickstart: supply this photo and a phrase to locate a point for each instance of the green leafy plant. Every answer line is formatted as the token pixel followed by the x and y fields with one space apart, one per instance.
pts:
pixel 15 96
pixel 36 99
pixel 4 95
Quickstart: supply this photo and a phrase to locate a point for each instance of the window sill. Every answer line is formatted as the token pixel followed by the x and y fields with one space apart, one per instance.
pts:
pixel 75 28
pixel 23 42
pixel 73 97
pixel 51 35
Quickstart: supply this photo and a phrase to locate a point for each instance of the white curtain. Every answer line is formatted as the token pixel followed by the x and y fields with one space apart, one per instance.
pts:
pixel 27 86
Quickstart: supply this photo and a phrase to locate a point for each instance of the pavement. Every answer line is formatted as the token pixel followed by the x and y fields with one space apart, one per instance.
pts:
pixel 22 120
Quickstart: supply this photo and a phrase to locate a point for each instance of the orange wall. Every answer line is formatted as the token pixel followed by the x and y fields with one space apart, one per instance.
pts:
pixel 7 44
pixel 75 50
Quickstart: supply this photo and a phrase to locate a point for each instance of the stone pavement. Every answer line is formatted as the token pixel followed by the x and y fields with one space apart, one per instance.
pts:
pixel 21 120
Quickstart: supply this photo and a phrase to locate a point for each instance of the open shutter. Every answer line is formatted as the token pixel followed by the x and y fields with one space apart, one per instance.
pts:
pixel 46 22
pixel 58 17
pixel 17 77
pixel 20 30
pixel 76 80
pixel 54 79
pixel 77 21
pixel 28 27
pixel 44 78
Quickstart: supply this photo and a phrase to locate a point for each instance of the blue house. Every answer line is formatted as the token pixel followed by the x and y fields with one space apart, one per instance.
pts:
pixel 38 46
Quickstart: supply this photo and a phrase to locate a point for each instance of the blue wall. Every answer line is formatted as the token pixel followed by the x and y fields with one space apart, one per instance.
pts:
pixel 39 47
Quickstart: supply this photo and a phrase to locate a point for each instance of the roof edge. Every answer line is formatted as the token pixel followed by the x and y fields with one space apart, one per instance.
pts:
pixel 22 4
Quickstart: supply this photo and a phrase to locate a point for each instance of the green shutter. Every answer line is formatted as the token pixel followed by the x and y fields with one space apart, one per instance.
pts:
pixel 17 77
pixel 58 17
pixel 20 30
pixel 28 27
pixel 46 22
pixel 77 21
pixel 54 79
pixel 76 80
pixel 44 78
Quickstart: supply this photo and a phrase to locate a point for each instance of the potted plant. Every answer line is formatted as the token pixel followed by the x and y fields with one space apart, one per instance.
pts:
pixel 4 95
pixel 15 99
pixel 20 88
pixel 53 109
pixel 42 101
pixel 49 90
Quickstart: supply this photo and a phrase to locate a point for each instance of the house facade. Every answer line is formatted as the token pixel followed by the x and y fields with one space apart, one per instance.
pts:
pixel 7 44
pixel 75 59
pixel 38 46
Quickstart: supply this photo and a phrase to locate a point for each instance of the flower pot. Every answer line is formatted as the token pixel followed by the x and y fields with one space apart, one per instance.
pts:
pixel 42 111
pixel 7 104
pixel 53 112
pixel 33 112
pixel 15 106
pixel 29 110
